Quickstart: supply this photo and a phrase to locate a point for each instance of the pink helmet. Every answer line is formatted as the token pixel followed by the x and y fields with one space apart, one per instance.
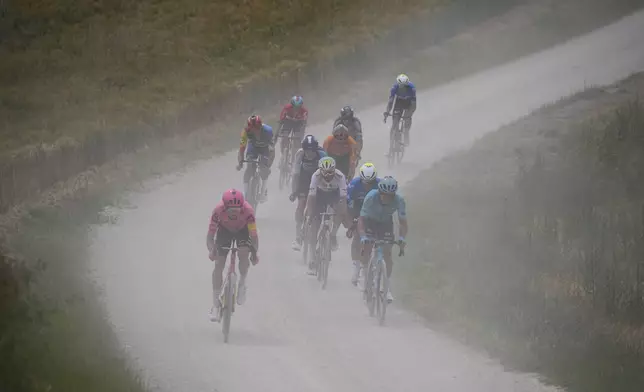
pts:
pixel 233 198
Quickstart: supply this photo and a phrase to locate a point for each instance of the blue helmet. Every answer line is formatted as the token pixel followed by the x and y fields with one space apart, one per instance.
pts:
pixel 297 101
pixel 310 143
pixel 388 185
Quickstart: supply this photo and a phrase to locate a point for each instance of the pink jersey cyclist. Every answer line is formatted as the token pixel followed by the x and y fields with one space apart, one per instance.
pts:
pixel 232 219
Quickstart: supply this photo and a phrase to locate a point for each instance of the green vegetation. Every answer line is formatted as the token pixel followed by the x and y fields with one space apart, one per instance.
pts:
pixel 54 336
pixel 534 244
pixel 71 68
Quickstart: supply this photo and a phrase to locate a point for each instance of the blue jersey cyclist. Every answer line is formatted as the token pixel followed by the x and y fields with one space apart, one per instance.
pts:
pixel 256 141
pixel 376 221
pixel 356 192
pixel 402 98
pixel 304 165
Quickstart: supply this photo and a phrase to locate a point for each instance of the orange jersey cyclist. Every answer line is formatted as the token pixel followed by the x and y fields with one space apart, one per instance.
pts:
pixel 343 149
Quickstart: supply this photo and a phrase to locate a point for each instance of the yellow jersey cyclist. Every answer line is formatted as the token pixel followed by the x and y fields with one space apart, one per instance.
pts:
pixel 328 187
pixel 376 221
pixel 343 149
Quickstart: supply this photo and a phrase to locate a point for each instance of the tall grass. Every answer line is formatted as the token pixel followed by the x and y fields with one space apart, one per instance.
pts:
pixel 538 255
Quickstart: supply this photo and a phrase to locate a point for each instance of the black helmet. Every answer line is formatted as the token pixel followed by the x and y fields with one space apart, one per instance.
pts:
pixel 346 112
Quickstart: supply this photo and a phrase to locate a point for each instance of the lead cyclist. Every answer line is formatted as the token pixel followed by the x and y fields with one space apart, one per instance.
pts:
pixel 376 222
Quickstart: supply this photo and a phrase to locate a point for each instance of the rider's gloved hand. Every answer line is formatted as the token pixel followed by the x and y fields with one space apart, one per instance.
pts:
pixel 254 258
pixel 364 240
pixel 212 255
pixel 385 114
pixel 239 166
pixel 401 240
pixel 292 197
pixel 350 204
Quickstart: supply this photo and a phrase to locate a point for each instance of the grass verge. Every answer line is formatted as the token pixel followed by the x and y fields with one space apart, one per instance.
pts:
pixel 534 244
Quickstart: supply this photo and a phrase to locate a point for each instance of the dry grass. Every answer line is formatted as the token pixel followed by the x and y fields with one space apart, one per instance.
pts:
pixel 535 247
pixel 111 64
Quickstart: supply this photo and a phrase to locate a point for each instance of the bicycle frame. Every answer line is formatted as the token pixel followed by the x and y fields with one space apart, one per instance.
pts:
pixel 323 249
pixel 376 284
pixel 254 179
pixel 228 296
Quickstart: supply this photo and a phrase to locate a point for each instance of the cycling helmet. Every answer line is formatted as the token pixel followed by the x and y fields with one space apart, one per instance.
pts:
pixel 340 129
pixel 346 112
pixel 254 122
pixel 368 172
pixel 297 101
pixel 402 80
pixel 327 165
pixel 233 198
pixel 388 185
pixel 310 143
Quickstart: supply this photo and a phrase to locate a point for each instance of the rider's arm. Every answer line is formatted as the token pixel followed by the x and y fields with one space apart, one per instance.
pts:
pixel 352 156
pixel 242 145
pixel 342 185
pixel 212 231
pixel 297 168
pixel 252 230
pixel 412 108
pixel 402 216
pixel 392 96
pixel 327 143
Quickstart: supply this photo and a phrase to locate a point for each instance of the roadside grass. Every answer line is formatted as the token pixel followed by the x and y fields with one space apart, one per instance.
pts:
pixel 74 69
pixel 55 337
pixel 529 245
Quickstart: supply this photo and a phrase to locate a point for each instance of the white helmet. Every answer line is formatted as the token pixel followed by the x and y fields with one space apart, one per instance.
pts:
pixel 327 165
pixel 368 172
pixel 402 80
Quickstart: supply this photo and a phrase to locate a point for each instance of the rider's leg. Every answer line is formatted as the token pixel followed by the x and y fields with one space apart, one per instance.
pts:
pixel 299 217
pixel 223 239
pixel 265 172
pixel 244 265
pixel 316 221
pixel 356 257
pixel 408 113
pixel 248 172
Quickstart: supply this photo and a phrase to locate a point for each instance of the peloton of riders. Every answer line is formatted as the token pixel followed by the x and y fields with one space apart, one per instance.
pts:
pixel 321 176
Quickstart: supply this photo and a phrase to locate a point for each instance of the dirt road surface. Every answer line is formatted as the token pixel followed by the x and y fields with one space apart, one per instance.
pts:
pixel 290 335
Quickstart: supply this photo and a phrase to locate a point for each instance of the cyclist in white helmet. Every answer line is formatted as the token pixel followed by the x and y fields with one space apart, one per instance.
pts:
pixel 402 97
pixel 356 192
pixel 376 221
pixel 328 187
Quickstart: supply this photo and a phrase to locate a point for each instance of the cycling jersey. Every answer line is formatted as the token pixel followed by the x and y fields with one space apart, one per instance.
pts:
pixel 297 114
pixel 405 93
pixel 356 192
pixel 353 125
pixel 244 220
pixel 256 141
pixel 375 210
pixel 303 164
pixel 338 182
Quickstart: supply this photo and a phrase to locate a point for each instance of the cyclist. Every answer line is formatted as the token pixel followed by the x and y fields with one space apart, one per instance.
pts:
pixel 293 116
pixel 306 163
pixel 342 148
pixel 356 192
pixel 328 187
pixel 258 137
pixel 232 218
pixel 402 96
pixel 376 221
pixel 353 124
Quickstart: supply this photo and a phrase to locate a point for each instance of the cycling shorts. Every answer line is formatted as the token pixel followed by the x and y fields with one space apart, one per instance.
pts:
pixel 375 230
pixel 225 238
pixel 324 199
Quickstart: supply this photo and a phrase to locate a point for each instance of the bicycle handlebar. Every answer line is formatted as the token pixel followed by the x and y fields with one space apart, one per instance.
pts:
pixel 389 242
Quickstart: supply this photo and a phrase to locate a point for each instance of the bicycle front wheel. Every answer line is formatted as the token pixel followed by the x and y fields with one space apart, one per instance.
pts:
pixel 368 289
pixel 227 307
pixel 382 290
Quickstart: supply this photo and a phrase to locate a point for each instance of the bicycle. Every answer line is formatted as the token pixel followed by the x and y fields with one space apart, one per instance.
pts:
pixel 322 253
pixel 228 296
pixel 396 145
pixel 254 186
pixel 304 229
pixel 376 283
pixel 286 163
